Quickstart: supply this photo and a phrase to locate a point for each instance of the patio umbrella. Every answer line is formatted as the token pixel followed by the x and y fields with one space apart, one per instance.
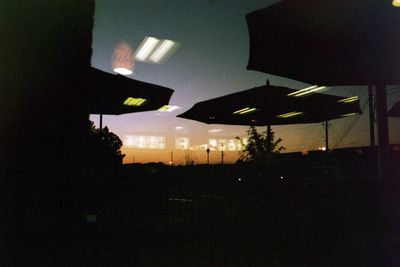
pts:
pixel 116 94
pixel 272 105
pixel 331 43
pixel 337 42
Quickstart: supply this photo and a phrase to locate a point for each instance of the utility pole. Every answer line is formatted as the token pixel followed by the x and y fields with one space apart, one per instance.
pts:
pixel 208 156
pixel 371 116
pixel 383 132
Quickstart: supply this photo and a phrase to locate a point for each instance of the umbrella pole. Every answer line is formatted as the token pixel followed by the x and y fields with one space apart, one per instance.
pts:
pixel 327 135
pixel 383 134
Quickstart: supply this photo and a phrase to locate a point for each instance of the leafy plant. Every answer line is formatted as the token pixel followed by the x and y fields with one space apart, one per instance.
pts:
pixel 259 145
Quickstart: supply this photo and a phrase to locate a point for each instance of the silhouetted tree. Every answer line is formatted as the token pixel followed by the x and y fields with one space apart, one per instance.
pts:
pixel 259 145
pixel 107 142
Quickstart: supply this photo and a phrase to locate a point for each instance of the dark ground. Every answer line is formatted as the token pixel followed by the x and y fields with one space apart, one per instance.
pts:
pixel 206 216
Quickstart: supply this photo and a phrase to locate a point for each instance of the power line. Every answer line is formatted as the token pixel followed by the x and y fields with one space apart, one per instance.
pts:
pixel 350 126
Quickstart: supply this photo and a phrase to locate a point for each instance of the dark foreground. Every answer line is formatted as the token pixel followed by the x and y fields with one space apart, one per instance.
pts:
pixel 212 216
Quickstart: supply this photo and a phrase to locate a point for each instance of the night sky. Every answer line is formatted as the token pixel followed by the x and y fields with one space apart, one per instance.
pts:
pixel 210 61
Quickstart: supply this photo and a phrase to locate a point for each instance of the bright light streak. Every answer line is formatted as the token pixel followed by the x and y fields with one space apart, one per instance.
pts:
pixel 245 110
pixel 349 114
pixel 162 51
pixel 215 130
pixel 306 91
pixel 137 102
pixel 168 108
pixel 146 48
pixel 248 111
pixel 302 90
pixel 290 114
pixel 240 110
pixel 349 99
pixel 396 3
pixel 178 128
pixel 144 142
pixel 123 71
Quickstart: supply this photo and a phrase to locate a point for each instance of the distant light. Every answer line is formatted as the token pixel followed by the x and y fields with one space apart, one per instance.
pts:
pixel 290 114
pixel 90 218
pixel 349 114
pixel 144 142
pixel 239 179
pixel 123 71
pixel 322 148
pixel 212 118
pixel 281 177
pixel 396 3
pixel 168 108
pixel 123 59
pixel 131 101
pixel 306 91
pixel 215 130
pixel 245 110
pixel 146 48
pixel 182 143
pixel 178 128
pixel 349 99
pixel 162 51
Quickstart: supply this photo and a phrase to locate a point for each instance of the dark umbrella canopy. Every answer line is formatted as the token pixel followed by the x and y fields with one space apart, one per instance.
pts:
pixel 271 105
pixel 337 42
pixel 116 94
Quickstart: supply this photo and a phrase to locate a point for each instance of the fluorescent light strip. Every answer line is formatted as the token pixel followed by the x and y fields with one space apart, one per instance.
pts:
pixel 290 114
pixel 168 108
pixel 164 108
pixel 146 48
pixel 131 101
pixel 162 50
pixel 310 91
pixel 244 110
pixel 349 114
pixel 241 110
pixel 302 90
pixel 248 111
pixel 349 99
pixel 306 91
